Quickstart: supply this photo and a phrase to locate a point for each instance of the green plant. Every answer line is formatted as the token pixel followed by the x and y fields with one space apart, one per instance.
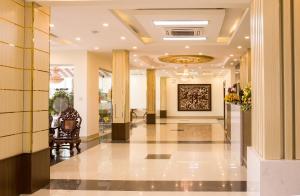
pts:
pixel 57 94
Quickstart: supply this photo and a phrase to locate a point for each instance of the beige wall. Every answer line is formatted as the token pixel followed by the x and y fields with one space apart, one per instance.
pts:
pixel 24 73
pixel 245 69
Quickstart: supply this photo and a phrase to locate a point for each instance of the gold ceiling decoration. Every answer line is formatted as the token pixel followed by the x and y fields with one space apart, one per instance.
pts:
pixel 186 59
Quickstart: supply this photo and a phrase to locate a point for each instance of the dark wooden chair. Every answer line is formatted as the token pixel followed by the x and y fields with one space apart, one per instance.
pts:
pixel 68 130
pixel 51 135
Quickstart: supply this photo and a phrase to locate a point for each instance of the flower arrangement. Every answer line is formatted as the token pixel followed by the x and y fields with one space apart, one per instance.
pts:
pixel 246 99
pixel 232 98
pixel 243 98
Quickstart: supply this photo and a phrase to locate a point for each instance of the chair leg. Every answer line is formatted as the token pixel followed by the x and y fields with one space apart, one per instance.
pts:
pixel 57 148
pixel 71 148
pixel 78 148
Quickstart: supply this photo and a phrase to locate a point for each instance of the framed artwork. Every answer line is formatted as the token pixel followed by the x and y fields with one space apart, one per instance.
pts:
pixel 194 97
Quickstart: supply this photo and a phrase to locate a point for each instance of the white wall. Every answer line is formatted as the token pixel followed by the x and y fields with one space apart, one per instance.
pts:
pixel 217 96
pixel 138 92
pixel 86 84
pixel 77 58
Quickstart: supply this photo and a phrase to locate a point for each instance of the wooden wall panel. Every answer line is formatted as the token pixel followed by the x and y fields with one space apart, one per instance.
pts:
pixel 266 79
pixel 297 75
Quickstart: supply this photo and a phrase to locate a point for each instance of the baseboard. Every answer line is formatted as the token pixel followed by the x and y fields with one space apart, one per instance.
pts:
pixel 24 173
pixel 272 177
pixel 89 137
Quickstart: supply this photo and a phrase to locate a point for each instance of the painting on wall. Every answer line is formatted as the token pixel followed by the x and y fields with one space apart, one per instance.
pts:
pixel 194 97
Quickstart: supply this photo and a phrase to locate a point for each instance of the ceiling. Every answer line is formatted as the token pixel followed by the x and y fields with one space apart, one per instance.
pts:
pixel 129 21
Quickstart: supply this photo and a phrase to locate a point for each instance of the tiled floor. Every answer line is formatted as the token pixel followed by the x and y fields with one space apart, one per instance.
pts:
pixel 195 161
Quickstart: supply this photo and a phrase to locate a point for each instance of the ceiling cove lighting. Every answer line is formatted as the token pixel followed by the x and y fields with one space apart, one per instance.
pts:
pixel 180 23
pixel 184 38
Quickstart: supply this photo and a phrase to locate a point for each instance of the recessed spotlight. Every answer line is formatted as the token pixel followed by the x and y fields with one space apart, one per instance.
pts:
pixel 231 63
pixel 135 55
pixel 184 38
pixel 166 54
pixel 12 45
pixel 200 53
pixel 247 37
pixel 105 24
pixel 134 47
pixel 96 48
pixel 239 47
pixel 135 60
pixel 77 38
pixel 122 38
pixel 235 60
pixel 187 47
pixel 51 25
pixel 180 23
pixel 231 55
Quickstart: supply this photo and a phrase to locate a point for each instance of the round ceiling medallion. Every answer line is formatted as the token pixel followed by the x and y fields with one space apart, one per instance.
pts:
pixel 185 59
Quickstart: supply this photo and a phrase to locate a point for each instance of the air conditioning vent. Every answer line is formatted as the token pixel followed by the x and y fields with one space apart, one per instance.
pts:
pixel 185 32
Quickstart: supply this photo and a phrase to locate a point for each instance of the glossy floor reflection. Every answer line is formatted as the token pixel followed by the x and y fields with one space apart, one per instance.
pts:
pixel 199 162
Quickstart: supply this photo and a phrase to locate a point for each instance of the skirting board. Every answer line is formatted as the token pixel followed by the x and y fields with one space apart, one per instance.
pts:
pixel 24 173
pixel 89 137
pixel 272 177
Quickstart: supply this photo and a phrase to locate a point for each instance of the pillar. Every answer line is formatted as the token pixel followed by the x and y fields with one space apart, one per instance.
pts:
pixel 275 78
pixel 24 89
pixel 36 94
pixel 163 97
pixel 151 86
pixel 120 95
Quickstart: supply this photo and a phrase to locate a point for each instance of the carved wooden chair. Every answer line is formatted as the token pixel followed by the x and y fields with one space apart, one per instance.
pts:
pixel 51 135
pixel 68 130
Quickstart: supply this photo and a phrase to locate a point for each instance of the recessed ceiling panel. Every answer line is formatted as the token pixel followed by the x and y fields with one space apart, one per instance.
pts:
pixel 211 31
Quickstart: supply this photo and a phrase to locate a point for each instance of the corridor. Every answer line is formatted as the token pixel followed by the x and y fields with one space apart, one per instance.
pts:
pixel 175 156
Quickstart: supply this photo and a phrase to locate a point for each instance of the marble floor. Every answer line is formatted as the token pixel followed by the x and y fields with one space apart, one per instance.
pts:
pixel 175 156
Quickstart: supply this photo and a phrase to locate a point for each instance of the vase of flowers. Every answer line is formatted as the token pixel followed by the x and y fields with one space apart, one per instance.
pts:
pixel 246 99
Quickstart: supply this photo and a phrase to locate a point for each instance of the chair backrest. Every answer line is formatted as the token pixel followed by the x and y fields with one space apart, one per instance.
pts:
pixel 69 122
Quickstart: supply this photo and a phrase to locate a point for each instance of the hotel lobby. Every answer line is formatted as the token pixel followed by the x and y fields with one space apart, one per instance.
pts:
pixel 145 97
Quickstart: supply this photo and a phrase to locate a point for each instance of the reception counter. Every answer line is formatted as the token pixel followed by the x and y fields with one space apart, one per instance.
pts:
pixel 238 130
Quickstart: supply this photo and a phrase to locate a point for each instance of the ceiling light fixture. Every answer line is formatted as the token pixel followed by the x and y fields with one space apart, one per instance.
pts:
pixel 239 47
pixel 166 54
pixel 96 48
pixel 105 24
pixel 247 37
pixel 180 22
pixel 51 25
pixel 122 38
pixel 200 53
pixel 187 47
pixel 134 47
pixel 77 39
pixel 231 55
pixel 135 55
pixel 199 38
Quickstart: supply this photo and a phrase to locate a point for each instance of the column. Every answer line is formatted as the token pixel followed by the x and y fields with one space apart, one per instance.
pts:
pixel 275 78
pixel 36 95
pixel 151 107
pixel 120 95
pixel 163 97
